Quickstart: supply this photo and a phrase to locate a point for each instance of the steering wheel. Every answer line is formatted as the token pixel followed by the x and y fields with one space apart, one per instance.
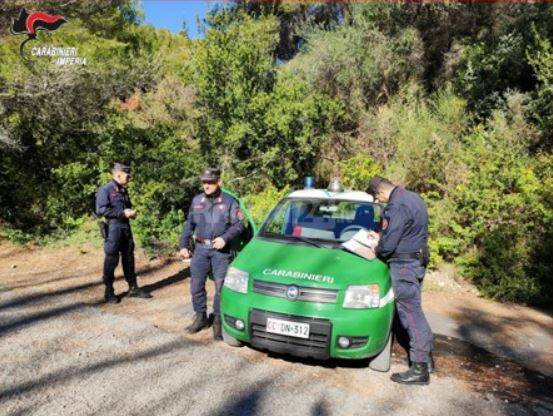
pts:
pixel 351 228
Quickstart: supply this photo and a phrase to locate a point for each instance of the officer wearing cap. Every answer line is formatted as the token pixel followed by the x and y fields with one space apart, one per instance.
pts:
pixel 214 219
pixel 404 245
pixel 114 204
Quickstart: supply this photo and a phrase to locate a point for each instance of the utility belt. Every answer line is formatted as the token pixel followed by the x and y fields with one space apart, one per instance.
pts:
pixel 204 242
pixel 104 225
pixel 117 221
pixel 423 255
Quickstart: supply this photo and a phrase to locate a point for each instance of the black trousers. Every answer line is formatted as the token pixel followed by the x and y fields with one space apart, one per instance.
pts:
pixel 119 243
pixel 407 276
pixel 203 261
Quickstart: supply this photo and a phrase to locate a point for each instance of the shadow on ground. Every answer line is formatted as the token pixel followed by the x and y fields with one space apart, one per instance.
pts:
pixel 484 372
pixel 78 371
pixel 37 297
pixel 56 311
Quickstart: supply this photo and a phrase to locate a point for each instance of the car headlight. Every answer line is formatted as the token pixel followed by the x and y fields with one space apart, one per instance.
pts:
pixel 237 280
pixel 362 297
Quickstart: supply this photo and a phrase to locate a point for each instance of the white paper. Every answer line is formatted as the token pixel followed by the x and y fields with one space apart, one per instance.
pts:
pixel 362 245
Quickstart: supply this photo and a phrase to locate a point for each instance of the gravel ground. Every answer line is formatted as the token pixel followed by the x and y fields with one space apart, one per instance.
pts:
pixel 62 352
pixel 92 362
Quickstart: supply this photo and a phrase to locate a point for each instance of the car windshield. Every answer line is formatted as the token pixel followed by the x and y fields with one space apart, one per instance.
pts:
pixel 325 220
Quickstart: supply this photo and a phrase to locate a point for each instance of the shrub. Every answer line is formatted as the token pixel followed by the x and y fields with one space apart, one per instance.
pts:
pixel 504 213
pixel 260 204
pixel 357 171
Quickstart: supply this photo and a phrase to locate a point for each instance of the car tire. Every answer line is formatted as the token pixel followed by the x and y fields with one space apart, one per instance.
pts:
pixel 381 362
pixel 230 340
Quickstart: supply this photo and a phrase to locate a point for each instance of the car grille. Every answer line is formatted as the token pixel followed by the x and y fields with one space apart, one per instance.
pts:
pixel 316 346
pixel 307 294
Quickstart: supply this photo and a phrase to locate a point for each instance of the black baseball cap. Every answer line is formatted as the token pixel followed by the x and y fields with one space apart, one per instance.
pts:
pixel 121 167
pixel 211 174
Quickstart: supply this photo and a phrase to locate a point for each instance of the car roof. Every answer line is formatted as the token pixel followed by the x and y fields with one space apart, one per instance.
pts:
pixel 357 196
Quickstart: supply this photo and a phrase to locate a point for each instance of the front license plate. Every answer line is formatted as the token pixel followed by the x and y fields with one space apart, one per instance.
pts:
pixel 292 329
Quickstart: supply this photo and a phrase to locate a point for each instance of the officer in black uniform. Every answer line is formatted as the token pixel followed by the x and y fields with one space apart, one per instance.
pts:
pixel 404 245
pixel 114 204
pixel 214 219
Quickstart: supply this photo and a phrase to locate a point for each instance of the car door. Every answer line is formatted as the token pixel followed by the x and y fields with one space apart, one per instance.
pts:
pixel 250 228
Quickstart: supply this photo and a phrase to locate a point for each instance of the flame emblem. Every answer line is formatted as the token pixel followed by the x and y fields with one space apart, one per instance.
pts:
pixel 29 24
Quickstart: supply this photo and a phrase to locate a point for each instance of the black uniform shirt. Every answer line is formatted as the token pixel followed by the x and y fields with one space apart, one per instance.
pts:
pixel 213 216
pixel 404 224
pixel 111 201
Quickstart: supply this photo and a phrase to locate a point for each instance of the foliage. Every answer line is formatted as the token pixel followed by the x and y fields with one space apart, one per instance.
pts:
pixel 489 199
pixel 540 57
pixel 357 171
pixel 358 64
pixel 261 204
pixel 451 100
pixel 490 70
pixel 52 114
pixel 255 121
pixel 504 213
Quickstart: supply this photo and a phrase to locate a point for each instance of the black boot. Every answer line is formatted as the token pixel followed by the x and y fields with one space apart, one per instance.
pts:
pixel 137 292
pixel 217 330
pixel 416 375
pixel 431 364
pixel 200 322
pixel 110 297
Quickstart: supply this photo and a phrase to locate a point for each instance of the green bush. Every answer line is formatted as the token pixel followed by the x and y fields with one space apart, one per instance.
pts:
pixel 504 213
pixel 261 204
pixel 357 171
pixel 255 119
pixel 358 64
pixel 540 57
pixel 489 70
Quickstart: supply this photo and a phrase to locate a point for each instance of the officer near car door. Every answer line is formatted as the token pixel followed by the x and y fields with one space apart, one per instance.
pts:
pixel 114 204
pixel 213 221
pixel 404 245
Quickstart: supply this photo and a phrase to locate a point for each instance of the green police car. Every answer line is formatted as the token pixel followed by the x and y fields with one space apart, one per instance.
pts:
pixel 294 289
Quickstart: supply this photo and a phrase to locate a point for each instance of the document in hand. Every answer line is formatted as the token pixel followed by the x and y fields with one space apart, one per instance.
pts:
pixel 362 245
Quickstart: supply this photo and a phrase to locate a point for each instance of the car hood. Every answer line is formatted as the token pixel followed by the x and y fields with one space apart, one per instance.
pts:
pixel 303 265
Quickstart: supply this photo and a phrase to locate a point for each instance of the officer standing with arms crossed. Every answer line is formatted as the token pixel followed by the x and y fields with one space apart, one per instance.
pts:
pixel 214 220
pixel 404 245
pixel 114 204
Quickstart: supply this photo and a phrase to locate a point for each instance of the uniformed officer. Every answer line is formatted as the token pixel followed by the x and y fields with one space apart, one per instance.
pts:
pixel 214 219
pixel 403 244
pixel 114 204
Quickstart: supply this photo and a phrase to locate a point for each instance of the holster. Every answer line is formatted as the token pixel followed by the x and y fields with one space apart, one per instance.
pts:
pixel 104 229
pixel 424 255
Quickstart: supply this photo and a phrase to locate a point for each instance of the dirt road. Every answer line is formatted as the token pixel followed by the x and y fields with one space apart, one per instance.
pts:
pixel 63 352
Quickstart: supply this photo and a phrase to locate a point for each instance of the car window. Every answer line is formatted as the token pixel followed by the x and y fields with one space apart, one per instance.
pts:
pixel 322 219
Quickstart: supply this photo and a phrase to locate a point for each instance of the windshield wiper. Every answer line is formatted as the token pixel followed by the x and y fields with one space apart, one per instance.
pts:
pixel 290 237
pixel 304 240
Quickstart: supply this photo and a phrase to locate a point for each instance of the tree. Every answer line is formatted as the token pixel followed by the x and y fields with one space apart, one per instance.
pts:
pixel 254 121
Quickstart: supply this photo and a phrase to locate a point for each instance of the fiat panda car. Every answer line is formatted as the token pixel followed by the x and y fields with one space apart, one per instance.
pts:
pixel 294 289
